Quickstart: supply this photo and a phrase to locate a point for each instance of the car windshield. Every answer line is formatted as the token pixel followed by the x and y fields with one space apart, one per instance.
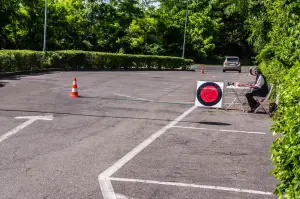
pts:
pixel 232 59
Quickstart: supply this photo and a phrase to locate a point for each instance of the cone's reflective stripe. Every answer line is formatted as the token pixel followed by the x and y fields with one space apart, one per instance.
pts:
pixel 74 89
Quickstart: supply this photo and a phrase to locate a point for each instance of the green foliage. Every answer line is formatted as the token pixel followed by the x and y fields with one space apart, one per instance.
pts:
pixel 286 149
pixel 202 30
pixel 11 61
pixel 275 33
pixel 125 26
pixel 20 60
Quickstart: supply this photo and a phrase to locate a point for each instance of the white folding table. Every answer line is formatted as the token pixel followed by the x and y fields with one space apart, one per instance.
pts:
pixel 238 92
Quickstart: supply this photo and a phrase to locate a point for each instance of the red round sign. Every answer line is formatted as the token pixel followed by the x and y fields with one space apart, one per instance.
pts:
pixel 209 94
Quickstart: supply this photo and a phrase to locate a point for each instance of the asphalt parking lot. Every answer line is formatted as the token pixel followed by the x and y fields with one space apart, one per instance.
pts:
pixel 130 135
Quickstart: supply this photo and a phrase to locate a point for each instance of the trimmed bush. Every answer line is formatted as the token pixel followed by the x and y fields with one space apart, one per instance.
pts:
pixel 21 60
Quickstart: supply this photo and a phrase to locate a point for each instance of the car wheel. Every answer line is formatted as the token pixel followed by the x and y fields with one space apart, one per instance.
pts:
pixel 240 71
pixel 224 71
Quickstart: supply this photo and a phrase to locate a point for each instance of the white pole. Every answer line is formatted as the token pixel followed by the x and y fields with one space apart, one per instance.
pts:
pixel 45 26
pixel 184 37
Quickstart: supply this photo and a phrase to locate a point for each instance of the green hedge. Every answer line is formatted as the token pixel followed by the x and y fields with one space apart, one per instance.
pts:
pixel 286 148
pixel 11 61
pixel 21 60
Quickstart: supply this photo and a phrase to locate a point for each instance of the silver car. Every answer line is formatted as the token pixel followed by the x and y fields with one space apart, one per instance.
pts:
pixel 232 63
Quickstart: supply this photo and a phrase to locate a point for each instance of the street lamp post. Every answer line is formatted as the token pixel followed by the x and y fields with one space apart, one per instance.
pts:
pixel 45 26
pixel 184 37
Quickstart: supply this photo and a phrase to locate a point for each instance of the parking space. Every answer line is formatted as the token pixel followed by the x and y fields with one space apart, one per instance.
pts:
pixel 63 159
pixel 231 160
pixel 205 155
pixel 129 135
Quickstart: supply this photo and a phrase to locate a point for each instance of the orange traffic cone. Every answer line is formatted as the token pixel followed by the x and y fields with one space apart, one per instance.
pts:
pixel 202 70
pixel 74 89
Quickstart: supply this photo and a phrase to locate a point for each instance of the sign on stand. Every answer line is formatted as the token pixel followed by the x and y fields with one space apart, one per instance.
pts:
pixel 209 94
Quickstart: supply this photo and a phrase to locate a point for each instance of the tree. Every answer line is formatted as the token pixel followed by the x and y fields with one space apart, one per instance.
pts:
pixel 66 25
pixel 25 29
pixel 214 28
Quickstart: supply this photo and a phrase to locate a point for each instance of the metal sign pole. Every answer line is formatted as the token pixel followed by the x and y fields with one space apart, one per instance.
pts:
pixel 45 26
pixel 184 37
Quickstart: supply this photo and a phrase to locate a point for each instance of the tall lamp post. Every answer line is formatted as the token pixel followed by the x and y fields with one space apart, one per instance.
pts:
pixel 45 26
pixel 184 37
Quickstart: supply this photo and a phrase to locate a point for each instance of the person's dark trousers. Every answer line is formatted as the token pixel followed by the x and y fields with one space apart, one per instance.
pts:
pixel 251 101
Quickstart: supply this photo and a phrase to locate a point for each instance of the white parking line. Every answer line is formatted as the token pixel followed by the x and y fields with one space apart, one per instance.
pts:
pixel 185 95
pixel 192 186
pixel 148 100
pixel 127 96
pixel 170 102
pixel 30 120
pixel 121 196
pixel 156 91
pixel 221 130
pixel 104 181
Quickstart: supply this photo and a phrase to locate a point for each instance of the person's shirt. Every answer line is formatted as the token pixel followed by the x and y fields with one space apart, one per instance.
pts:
pixel 260 81
pixel 262 85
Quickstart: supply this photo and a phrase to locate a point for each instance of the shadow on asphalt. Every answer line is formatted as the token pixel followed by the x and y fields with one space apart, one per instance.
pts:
pixel 19 75
pixel 215 123
pixel 2 84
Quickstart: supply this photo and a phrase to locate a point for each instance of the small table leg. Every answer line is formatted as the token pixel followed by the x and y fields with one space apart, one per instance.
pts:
pixel 233 102
pixel 241 101
pixel 236 99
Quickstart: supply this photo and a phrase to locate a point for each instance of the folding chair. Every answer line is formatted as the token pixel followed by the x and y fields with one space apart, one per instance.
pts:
pixel 263 100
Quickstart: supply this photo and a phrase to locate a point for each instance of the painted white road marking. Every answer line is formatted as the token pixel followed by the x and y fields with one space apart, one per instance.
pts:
pixel 148 100
pixel 221 130
pixel 104 181
pixel 30 120
pixel 143 73
pixel 46 117
pixel 170 102
pixel 127 96
pixel 176 95
pixel 106 187
pixel 193 186
pixel 121 196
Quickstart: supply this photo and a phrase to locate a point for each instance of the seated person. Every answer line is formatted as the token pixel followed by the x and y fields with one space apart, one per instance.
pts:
pixel 259 89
